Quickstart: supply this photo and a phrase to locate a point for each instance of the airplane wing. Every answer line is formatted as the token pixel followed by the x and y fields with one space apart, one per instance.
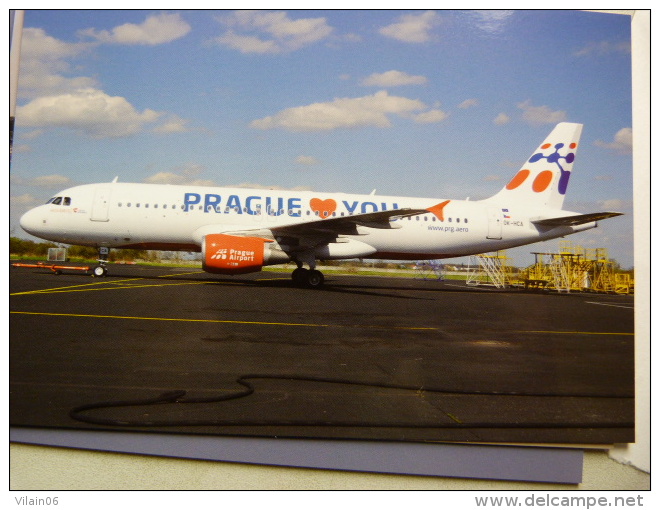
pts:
pixel 309 234
pixel 347 225
pixel 577 219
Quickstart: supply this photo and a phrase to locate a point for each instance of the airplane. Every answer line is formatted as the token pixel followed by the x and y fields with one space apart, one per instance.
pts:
pixel 240 230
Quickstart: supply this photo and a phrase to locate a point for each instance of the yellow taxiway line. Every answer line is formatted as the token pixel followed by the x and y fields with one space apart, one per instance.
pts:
pixel 217 321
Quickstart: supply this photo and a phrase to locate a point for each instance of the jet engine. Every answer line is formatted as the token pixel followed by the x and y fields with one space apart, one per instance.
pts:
pixel 229 254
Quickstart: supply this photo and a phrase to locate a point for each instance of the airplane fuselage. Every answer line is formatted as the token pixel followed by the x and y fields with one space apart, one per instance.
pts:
pixel 171 217
pixel 241 230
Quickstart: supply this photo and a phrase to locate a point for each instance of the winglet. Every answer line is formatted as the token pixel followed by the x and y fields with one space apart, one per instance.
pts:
pixel 438 210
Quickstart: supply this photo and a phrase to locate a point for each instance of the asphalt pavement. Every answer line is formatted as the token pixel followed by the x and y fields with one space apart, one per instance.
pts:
pixel 179 350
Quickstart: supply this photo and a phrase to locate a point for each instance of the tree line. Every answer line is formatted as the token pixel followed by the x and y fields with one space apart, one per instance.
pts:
pixel 25 248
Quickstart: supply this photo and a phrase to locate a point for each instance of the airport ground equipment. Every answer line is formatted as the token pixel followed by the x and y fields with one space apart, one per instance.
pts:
pixel 576 269
pixel 55 268
pixel 492 269
pixel 430 270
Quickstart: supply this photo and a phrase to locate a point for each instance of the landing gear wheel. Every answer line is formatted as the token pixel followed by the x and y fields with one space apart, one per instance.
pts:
pixel 299 276
pixel 99 271
pixel 315 278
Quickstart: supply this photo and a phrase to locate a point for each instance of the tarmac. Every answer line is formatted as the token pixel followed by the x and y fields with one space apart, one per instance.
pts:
pixel 182 351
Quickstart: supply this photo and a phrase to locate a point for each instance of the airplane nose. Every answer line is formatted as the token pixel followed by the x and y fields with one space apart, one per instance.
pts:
pixel 32 221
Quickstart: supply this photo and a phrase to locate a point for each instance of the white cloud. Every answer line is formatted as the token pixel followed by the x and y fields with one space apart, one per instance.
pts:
pixel 393 79
pixel 43 181
pixel 173 124
pixel 174 178
pixel 158 29
pixel 491 22
pixel 307 160
pixel 616 204
pixel 604 48
pixel 501 119
pixel 253 185
pixel 21 148
pixel 271 32
pixel 341 113
pixel 88 111
pixel 50 181
pixel 431 117
pixel 622 143
pixel 44 61
pixel 187 174
pixel 537 115
pixel 26 200
pixel 76 102
pixel 247 43
pixel 469 103
pixel 412 28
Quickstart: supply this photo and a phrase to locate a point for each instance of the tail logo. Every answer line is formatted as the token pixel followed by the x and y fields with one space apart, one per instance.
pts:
pixel 543 179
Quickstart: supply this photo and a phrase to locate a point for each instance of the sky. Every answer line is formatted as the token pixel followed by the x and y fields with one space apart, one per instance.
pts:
pixel 438 104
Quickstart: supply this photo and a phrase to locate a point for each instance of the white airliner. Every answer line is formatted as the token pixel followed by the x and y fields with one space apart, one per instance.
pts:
pixel 241 230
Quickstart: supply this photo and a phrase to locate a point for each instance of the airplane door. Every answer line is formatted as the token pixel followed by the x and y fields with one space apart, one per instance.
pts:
pixel 494 223
pixel 101 205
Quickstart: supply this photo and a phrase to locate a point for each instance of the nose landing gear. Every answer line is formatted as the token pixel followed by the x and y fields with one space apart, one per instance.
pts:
pixel 101 270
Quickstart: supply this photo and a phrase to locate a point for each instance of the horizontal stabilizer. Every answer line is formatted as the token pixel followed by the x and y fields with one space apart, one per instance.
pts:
pixel 577 219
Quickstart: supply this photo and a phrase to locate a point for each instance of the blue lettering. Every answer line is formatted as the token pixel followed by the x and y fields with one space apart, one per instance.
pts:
pixel 211 201
pixel 269 206
pixel 349 208
pixel 190 199
pixel 294 203
pixel 371 204
pixel 248 205
pixel 234 202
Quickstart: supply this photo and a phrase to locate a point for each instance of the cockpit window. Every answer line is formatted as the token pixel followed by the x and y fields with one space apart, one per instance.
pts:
pixel 67 201
pixel 57 200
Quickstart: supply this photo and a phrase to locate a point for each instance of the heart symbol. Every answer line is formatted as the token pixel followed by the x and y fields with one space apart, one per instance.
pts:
pixel 324 208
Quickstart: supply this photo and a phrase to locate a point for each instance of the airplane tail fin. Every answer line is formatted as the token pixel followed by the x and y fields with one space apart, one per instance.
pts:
pixel 543 179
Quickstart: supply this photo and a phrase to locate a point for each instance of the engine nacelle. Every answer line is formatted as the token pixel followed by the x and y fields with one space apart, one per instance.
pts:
pixel 227 254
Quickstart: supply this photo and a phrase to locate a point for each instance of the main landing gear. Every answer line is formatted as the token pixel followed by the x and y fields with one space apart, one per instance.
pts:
pixel 101 270
pixel 311 278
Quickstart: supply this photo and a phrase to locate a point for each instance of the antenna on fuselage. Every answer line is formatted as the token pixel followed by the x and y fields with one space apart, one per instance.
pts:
pixel 115 179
